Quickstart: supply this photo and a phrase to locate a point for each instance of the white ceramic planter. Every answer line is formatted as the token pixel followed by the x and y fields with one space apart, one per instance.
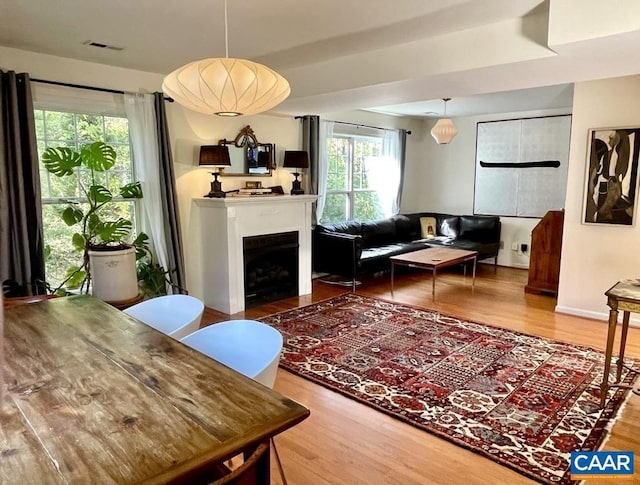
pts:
pixel 113 274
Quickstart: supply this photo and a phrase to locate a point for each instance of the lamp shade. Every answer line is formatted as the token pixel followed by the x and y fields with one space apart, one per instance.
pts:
pixel 214 155
pixel 226 87
pixel 296 159
pixel 444 131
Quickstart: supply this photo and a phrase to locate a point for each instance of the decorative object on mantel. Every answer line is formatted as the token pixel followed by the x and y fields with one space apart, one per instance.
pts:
pixel 444 130
pixel 249 156
pixel 214 156
pixel 296 159
pixel 226 86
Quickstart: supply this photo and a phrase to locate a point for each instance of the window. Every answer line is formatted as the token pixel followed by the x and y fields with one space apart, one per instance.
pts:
pixel 352 191
pixel 60 128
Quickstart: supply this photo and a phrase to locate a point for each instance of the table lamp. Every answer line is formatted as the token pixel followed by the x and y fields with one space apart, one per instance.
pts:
pixel 215 156
pixel 296 159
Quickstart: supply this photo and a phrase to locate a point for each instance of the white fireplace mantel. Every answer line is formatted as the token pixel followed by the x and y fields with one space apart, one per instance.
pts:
pixel 218 226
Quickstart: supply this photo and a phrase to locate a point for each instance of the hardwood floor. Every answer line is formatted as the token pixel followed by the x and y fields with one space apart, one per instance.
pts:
pixel 345 442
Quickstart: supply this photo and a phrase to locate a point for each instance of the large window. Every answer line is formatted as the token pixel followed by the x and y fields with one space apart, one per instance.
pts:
pixel 58 128
pixel 351 189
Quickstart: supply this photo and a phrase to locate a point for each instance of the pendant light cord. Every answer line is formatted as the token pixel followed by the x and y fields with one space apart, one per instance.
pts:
pixel 443 99
pixel 226 32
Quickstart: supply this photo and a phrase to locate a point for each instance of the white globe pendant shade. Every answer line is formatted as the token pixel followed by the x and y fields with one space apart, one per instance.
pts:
pixel 444 131
pixel 226 87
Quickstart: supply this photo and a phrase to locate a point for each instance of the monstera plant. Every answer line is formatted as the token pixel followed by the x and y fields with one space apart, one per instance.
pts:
pixel 98 228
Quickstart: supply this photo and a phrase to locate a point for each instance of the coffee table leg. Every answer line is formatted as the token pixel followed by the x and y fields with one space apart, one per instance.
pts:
pixel 433 285
pixel 473 280
pixel 392 265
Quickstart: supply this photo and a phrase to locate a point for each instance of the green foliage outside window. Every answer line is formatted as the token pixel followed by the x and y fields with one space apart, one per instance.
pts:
pixel 73 130
pixel 349 195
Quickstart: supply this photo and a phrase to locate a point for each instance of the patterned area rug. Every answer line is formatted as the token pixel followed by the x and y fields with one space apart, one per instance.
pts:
pixel 523 401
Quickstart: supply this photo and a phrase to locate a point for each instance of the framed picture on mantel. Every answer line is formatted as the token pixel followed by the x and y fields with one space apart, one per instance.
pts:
pixel 611 187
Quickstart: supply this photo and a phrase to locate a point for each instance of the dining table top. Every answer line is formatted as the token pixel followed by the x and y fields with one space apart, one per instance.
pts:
pixel 95 396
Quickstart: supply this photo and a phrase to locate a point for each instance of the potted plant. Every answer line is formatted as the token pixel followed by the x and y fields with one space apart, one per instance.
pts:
pixel 108 263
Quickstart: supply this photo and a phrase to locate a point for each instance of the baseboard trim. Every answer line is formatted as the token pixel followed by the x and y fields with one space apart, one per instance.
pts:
pixel 604 317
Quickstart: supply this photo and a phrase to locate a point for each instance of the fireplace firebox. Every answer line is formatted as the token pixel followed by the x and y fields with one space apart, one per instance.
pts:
pixel 270 267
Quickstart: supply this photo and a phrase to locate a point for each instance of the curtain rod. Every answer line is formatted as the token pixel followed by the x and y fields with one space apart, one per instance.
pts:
pixel 81 86
pixel 356 124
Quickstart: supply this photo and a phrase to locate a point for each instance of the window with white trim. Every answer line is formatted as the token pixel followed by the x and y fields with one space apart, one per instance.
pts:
pixel 351 193
pixel 74 124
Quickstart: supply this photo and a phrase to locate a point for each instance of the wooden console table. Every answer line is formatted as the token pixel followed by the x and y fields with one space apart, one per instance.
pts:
pixel 623 296
pixel 95 396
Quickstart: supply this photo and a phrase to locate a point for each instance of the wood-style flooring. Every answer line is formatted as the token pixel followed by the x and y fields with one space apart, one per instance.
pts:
pixel 347 443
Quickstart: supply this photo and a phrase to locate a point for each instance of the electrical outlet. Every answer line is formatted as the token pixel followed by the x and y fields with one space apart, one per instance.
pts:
pixel 514 246
pixel 524 247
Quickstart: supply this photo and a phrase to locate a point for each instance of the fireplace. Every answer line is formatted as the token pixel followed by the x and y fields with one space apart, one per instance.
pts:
pixel 215 253
pixel 270 267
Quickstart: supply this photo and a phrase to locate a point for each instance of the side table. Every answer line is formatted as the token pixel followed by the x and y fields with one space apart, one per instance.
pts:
pixel 623 296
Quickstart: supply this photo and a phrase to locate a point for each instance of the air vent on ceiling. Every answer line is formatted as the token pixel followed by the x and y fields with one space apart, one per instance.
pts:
pixel 102 46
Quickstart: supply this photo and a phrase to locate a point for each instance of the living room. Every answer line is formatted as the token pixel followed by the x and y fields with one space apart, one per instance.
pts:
pixel 438 177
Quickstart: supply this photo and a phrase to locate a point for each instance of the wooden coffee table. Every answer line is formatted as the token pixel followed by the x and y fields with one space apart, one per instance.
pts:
pixel 434 259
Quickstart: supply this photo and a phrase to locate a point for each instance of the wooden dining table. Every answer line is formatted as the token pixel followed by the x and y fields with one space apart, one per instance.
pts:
pixel 95 396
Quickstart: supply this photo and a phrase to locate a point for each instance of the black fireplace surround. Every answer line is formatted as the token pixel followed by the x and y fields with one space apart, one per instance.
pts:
pixel 270 267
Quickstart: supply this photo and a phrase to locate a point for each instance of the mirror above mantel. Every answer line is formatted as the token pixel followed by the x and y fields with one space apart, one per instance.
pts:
pixel 248 156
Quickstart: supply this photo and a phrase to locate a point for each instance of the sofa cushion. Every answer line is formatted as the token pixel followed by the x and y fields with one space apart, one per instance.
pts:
pixel 480 228
pixel 448 225
pixel 427 227
pixel 404 229
pixel 379 233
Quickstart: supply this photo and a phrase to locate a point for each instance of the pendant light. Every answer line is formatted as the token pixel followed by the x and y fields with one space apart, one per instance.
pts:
pixel 226 86
pixel 444 130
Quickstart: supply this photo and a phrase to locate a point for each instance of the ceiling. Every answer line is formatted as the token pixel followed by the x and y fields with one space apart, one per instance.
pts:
pixel 394 56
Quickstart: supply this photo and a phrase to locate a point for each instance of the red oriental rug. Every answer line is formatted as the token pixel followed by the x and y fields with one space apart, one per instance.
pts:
pixel 523 401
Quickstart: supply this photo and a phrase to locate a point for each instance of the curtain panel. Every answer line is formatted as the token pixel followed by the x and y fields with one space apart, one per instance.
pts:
pixel 21 236
pixel 168 197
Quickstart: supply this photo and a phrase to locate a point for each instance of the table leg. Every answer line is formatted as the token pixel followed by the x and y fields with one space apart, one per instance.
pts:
pixel 623 343
pixel 263 468
pixel 392 265
pixel 433 285
pixel 613 320
pixel 473 280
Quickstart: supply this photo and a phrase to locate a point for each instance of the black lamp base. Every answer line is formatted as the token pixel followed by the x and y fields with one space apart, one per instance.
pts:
pixel 216 187
pixel 296 186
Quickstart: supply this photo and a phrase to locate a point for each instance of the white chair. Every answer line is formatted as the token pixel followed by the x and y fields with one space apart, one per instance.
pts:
pixel 249 347
pixel 173 315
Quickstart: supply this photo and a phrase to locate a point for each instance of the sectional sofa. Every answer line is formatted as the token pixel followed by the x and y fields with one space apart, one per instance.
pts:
pixel 351 248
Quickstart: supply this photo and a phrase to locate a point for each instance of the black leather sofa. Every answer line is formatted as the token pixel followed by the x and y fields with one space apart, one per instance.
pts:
pixel 351 248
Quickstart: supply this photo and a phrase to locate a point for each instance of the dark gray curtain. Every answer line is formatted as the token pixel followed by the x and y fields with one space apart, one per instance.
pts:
pixel 311 143
pixel 21 239
pixel 403 158
pixel 169 200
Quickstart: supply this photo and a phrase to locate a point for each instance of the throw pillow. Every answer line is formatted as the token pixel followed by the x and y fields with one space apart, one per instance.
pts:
pixel 428 227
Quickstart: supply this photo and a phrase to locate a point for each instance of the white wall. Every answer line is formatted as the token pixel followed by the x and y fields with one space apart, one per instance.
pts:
pixel 443 177
pixel 188 129
pixel 595 257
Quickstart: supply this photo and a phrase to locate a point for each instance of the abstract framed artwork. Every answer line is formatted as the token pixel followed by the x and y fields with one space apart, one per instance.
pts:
pixel 611 187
